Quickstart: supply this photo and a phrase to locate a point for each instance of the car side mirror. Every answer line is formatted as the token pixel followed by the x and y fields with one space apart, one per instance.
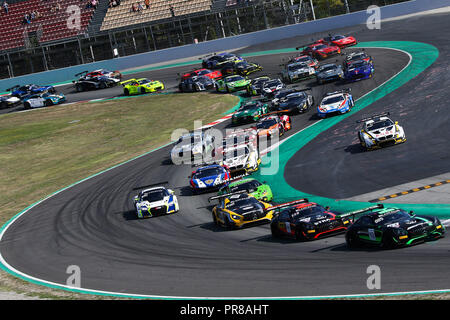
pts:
pixel 170 191
pixel 411 213
pixel 396 122
pixel 136 198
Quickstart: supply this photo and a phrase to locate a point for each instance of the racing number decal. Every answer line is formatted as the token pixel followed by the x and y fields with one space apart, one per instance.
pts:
pixel 288 227
pixel 371 234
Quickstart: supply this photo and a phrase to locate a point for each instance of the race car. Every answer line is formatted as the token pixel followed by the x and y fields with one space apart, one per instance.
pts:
pixel 378 131
pixel 391 227
pixel 216 61
pixel 43 100
pixel 196 83
pixel 141 86
pixel 249 112
pixel 232 84
pixel 9 101
pixel 237 210
pixel 209 178
pixel 240 160
pixel 303 220
pixel 337 102
pixel 256 189
pixel 272 125
pixel 155 201
pixel 355 56
pixel 279 95
pixel 103 73
pixel 310 61
pixel 193 147
pixel 216 74
pixel 271 87
pixel 341 41
pixel 255 86
pixel 358 70
pixel 236 137
pixel 329 72
pixel 243 68
pixel 29 89
pixel 297 71
pixel 320 51
pixel 296 102
pixel 85 83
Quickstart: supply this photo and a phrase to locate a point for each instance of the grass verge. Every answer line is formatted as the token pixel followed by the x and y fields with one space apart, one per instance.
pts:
pixel 45 150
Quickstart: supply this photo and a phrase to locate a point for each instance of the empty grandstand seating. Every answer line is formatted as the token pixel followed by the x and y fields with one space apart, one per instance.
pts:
pixel 121 16
pixel 49 26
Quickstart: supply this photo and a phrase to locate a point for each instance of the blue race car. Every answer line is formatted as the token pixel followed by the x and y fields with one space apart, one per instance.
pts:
pixel 338 102
pixel 29 89
pixel 210 177
pixel 43 100
pixel 359 70
pixel 219 60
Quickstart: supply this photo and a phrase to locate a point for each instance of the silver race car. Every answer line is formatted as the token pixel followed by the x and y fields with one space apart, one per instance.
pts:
pixel 298 71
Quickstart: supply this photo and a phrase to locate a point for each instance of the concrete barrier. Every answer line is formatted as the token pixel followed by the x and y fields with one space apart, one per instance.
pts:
pixel 248 39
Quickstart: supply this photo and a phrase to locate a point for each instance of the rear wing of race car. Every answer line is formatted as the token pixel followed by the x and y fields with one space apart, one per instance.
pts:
pixel 207 56
pixel 286 204
pixel 354 213
pixel 12 88
pixel 227 194
pixel 80 73
pixel 379 115
pixel 346 90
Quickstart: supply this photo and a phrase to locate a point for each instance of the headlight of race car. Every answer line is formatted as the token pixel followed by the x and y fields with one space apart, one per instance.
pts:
pixel 309 228
pixel 400 232
pixel 235 217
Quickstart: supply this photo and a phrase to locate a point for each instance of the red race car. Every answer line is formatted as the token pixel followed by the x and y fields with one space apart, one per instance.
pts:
pixel 340 40
pixel 320 50
pixel 202 72
pixel 104 73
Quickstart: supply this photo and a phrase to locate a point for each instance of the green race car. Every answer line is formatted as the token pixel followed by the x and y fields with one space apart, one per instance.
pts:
pixel 140 86
pixel 232 84
pixel 250 111
pixel 256 189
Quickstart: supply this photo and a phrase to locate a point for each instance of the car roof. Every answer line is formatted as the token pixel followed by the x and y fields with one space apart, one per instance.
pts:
pixel 153 189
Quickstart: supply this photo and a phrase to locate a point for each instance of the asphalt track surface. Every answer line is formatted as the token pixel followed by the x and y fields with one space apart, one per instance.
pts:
pixel 93 224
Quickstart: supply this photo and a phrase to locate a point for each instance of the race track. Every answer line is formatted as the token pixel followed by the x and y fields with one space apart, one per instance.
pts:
pixel 93 224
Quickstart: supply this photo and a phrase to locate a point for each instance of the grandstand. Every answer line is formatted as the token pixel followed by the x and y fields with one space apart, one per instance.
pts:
pixel 121 15
pixel 51 25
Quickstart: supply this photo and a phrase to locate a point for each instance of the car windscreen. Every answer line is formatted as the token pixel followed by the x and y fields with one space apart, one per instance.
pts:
pixel 203 72
pixel 243 205
pixel 144 81
pixel 251 185
pixel 266 124
pixel 327 68
pixel 319 47
pixel 295 97
pixel 356 56
pixel 249 106
pixel 332 100
pixel 390 217
pixel 379 124
pixel 297 67
pixel 209 172
pixel 272 83
pixel 337 38
pixel 153 196
pixel 303 59
pixel 234 78
pixel 202 79
pixel 305 212
pixel 358 64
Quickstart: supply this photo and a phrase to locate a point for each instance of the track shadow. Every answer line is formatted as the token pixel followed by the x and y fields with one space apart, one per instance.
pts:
pixel 130 215
pixel 166 162
pixel 355 148
pixel 211 226
pixel 186 191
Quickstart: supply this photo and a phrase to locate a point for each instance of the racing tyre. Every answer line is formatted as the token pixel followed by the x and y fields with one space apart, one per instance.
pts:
pixel 215 220
pixel 48 103
pixel 126 92
pixel 102 85
pixel 299 236
pixel 351 241
pixel 387 241
pixel 27 105
pixel 275 232
pixel 79 88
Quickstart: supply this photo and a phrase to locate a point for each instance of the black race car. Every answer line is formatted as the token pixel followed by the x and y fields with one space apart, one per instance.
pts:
pixel 256 85
pixel 243 68
pixel 391 227
pixel 294 102
pixel 305 220
pixel 86 82
pixel 271 87
pixel 355 56
pixel 196 83
pixel 8 101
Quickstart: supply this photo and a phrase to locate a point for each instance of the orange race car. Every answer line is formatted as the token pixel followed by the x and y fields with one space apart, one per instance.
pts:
pixel 272 124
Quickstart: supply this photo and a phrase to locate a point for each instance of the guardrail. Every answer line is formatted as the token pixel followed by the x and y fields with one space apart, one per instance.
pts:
pixel 202 48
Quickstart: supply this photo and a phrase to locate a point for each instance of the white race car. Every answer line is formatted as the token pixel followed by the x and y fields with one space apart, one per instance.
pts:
pixel 378 131
pixel 155 201
pixel 241 160
pixel 194 146
pixel 298 71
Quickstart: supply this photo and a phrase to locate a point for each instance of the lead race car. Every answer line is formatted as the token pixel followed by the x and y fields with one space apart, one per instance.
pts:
pixel 391 227
pixel 155 201
pixel 379 130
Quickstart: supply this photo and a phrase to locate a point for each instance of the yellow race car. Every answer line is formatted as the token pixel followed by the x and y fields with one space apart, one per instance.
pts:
pixel 236 210
pixel 141 86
